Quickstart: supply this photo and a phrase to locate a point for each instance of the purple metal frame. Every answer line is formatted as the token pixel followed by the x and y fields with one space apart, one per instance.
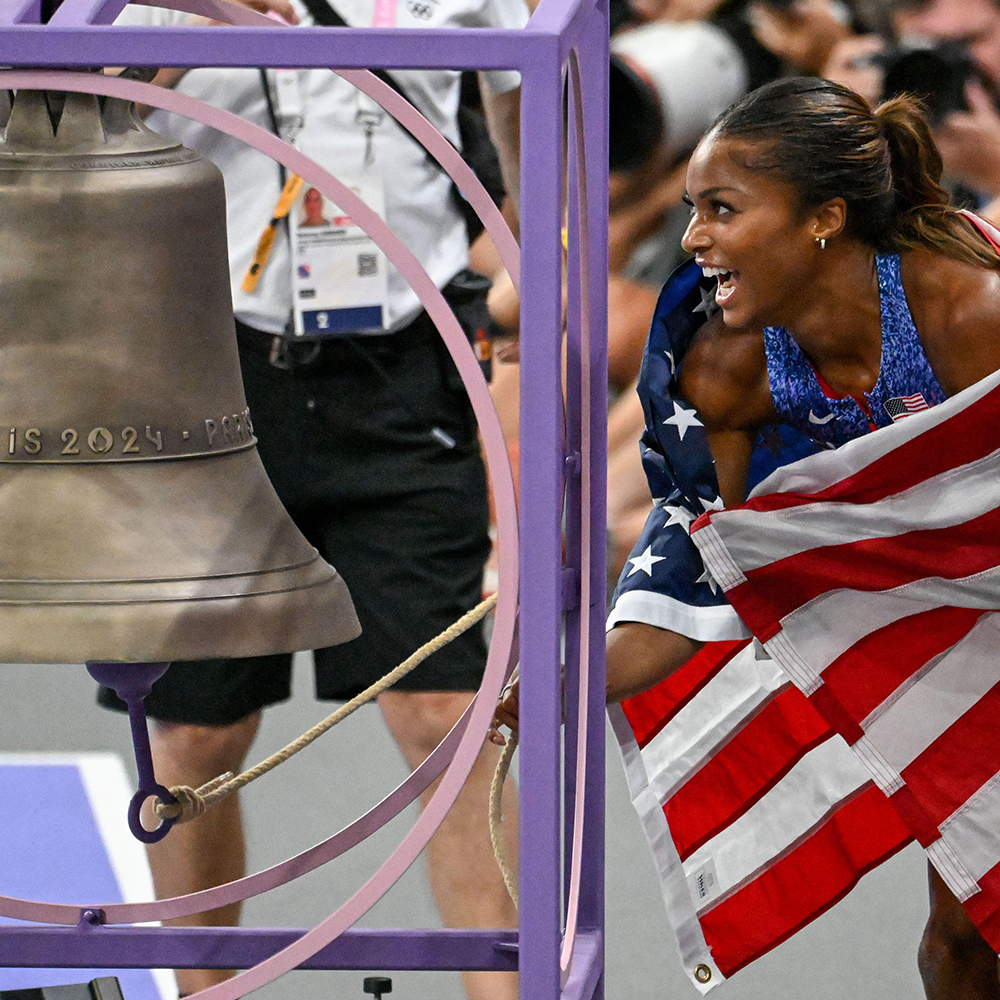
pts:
pixel 559 947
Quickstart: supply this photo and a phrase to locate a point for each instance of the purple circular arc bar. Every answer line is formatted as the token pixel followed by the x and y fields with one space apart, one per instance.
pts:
pixel 481 710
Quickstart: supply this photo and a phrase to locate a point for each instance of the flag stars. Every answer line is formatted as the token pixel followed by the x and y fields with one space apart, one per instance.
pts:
pixel 715 504
pixel 707 577
pixel 708 305
pixel 678 515
pixel 645 562
pixel 683 419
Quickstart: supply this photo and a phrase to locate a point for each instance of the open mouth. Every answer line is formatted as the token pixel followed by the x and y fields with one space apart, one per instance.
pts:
pixel 727 283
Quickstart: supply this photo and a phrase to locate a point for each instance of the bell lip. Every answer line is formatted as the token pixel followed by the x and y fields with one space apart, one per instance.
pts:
pixel 312 616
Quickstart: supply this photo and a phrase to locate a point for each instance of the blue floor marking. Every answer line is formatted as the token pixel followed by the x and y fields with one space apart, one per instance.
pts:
pixel 51 849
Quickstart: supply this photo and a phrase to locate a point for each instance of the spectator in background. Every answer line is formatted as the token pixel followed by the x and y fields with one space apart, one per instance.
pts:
pixel 968 138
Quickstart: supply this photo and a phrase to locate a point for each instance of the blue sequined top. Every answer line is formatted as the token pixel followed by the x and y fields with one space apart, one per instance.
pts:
pixel 905 380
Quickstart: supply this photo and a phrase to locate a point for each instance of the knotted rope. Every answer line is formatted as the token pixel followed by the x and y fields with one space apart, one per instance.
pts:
pixel 192 802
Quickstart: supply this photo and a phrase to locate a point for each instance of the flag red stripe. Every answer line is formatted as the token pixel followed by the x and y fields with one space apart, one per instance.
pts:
pixel 983 907
pixel 740 773
pixel 648 713
pixel 967 435
pixel 913 814
pixel 874 564
pixel 867 673
pixel 959 762
pixel 858 837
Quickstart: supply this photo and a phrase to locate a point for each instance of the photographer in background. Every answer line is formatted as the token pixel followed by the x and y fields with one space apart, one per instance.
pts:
pixel 969 139
pixel 948 53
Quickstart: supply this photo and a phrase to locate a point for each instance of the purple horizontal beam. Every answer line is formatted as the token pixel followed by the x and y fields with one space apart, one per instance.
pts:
pixel 242 947
pixel 345 48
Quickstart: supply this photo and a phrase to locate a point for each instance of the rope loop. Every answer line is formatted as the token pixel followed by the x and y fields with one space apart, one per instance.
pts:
pixel 496 818
pixel 191 802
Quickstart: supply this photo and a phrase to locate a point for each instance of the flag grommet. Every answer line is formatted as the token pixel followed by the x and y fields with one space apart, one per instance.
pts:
pixel 702 973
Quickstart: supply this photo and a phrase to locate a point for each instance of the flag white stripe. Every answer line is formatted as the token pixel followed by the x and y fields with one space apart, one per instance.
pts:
pixel 939 697
pixel 942 855
pixel 706 624
pixel 792 663
pixel 789 810
pixel 971 831
pixel 673 883
pixel 830 624
pixel 717 559
pixel 756 538
pixel 830 467
pixel 887 779
pixel 708 720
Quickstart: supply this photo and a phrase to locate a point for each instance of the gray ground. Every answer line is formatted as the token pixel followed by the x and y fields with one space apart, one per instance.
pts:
pixel 864 948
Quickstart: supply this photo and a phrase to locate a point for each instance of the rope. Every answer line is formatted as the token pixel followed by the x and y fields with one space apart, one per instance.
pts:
pixel 192 802
pixel 496 826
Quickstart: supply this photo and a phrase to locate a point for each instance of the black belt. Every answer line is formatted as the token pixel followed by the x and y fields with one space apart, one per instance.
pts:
pixel 291 353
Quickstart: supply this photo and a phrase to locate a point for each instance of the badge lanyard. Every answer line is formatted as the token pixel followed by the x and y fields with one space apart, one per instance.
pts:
pixel 339 276
pixel 287 120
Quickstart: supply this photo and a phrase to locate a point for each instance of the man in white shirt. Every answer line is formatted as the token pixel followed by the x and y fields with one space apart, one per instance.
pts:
pixel 368 437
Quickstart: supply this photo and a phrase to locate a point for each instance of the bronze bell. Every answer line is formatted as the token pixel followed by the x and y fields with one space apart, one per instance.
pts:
pixel 136 520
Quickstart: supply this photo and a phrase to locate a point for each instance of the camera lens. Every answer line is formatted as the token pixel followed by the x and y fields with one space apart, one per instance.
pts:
pixel 937 75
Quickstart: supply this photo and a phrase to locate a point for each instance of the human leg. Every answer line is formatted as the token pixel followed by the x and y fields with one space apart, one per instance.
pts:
pixel 463 872
pixel 204 716
pixel 209 850
pixel 954 960
pixel 390 487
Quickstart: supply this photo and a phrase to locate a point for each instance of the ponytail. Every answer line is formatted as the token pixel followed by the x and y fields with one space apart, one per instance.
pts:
pixel 827 142
pixel 923 217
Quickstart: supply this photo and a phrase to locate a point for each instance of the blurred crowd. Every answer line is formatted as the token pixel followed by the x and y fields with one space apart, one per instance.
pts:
pixel 675 65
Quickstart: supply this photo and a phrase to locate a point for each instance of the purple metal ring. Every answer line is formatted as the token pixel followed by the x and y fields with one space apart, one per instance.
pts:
pixel 135 820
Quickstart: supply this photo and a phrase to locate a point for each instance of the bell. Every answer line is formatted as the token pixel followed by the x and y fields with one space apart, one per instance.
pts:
pixel 137 523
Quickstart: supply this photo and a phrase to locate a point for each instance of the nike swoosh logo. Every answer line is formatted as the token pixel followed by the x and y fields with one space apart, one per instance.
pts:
pixel 813 419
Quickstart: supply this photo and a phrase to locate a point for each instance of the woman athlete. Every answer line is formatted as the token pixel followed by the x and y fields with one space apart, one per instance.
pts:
pixel 845 281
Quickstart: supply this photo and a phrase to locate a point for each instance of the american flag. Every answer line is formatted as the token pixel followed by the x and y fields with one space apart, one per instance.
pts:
pixel 759 814
pixel 903 406
pixel 871 576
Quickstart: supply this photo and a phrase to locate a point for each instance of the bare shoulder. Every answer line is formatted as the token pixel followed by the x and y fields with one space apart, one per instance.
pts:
pixel 956 309
pixel 724 375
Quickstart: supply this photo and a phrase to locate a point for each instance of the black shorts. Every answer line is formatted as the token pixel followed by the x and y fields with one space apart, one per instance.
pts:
pixel 372 446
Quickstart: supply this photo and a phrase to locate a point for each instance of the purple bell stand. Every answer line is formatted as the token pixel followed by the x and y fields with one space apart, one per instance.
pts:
pixel 552 574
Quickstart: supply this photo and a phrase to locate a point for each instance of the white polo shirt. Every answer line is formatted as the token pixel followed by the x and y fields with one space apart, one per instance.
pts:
pixel 418 203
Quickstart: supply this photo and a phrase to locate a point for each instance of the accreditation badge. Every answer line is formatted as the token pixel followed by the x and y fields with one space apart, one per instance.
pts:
pixel 340 281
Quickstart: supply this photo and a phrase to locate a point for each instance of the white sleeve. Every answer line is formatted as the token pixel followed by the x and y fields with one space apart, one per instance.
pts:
pixel 496 14
pixel 141 16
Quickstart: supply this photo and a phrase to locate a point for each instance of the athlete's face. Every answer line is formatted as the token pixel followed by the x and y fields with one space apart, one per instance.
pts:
pixel 748 229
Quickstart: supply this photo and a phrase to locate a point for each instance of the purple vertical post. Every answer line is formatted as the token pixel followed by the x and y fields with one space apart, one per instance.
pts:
pixel 573 469
pixel 594 71
pixel 541 516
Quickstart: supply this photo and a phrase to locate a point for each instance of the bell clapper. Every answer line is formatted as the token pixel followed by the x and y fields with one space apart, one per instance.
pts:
pixel 132 682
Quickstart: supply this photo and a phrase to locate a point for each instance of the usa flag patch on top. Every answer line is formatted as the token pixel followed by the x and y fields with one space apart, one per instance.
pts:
pixel 903 406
